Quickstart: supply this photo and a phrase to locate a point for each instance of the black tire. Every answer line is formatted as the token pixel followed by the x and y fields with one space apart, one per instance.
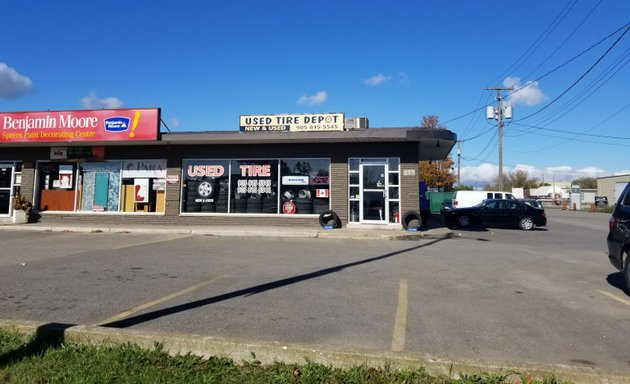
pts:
pixel 329 220
pixel 320 206
pixel 304 206
pixel 411 221
pixel 526 224
pixel 240 206
pixel 463 221
pixel 254 205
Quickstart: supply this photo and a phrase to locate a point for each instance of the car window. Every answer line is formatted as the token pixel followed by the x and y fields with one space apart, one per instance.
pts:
pixel 489 195
pixel 510 196
pixel 498 196
pixel 491 204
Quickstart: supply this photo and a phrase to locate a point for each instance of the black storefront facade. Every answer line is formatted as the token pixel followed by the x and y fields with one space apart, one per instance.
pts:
pixel 367 176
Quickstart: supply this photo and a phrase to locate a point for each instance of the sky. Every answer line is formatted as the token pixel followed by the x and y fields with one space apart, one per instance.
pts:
pixel 205 63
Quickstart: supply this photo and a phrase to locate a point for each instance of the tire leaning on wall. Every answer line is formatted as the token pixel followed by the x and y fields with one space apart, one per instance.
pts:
pixel 410 217
pixel 329 220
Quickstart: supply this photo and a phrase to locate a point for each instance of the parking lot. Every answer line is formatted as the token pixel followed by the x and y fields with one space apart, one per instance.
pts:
pixel 548 295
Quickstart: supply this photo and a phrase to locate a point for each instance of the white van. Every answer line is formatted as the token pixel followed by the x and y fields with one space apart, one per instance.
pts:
pixel 464 199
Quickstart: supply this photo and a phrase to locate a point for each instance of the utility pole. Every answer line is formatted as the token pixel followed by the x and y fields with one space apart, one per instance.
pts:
pixel 498 115
pixel 459 157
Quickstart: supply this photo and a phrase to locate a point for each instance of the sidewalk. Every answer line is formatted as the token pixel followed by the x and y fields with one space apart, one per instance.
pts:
pixel 434 230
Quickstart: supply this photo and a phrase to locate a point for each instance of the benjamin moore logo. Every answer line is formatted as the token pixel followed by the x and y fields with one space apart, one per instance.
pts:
pixel 117 124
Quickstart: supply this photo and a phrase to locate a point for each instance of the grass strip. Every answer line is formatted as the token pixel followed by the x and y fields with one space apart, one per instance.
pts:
pixel 38 360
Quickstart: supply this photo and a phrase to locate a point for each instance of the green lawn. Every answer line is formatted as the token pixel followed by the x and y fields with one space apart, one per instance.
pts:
pixel 45 361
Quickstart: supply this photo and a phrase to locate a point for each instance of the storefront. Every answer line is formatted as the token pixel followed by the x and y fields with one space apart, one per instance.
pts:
pixel 276 170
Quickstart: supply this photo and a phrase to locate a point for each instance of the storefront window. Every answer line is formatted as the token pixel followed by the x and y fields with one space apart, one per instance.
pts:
pixel 100 186
pixel 57 186
pixel 205 186
pixel 254 186
pixel 143 186
pixel 264 186
pixel 305 186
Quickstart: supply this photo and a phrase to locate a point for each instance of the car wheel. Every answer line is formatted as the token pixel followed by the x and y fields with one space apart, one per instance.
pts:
pixel 526 224
pixel 463 221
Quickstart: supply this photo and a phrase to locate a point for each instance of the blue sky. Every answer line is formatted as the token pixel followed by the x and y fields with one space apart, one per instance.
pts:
pixel 207 62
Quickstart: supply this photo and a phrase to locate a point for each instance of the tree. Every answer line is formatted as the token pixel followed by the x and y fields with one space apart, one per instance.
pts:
pixel 519 179
pixel 586 182
pixel 431 121
pixel 438 174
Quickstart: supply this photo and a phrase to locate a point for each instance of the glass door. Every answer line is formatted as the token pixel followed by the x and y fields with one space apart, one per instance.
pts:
pixel 374 207
pixel 6 180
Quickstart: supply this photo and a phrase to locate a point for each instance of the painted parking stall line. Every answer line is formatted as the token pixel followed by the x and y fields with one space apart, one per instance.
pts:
pixel 400 323
pixel 159 301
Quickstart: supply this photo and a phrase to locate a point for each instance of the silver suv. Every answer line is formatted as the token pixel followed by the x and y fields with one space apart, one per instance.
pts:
pixel 619 236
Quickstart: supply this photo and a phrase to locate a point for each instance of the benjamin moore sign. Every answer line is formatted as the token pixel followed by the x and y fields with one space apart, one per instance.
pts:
pixel 83 125
pixel 293 123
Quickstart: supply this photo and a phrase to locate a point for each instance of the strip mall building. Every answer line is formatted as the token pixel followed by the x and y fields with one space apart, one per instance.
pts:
pixel 115 167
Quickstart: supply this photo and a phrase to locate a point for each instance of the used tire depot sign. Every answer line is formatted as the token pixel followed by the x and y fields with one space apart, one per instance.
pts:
pixel 292 123
pixel 83 125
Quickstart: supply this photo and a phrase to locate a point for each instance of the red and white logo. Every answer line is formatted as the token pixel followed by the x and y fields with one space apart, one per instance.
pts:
pixel 288 208
pixel 321 193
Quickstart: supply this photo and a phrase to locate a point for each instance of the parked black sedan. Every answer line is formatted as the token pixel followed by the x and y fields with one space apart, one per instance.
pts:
pixel 498 213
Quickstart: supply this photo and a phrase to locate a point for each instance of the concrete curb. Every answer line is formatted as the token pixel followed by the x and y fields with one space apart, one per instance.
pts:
pixel 270 352
pixel 283 232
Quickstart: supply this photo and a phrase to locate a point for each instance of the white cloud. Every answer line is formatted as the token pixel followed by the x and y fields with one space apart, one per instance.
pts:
pixel 526 94
pixel 317 99
pixel 174 122
pixel 623 172
pixel 377 80
pixel 403 78
pixel 91 101
pixel 12 84
pixel 486 173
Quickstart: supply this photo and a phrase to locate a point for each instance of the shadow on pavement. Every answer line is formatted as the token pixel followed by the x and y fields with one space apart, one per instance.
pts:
pixel 253 290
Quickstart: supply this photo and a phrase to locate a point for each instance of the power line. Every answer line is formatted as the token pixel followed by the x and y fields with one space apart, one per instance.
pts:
pixel 545 75
pixel 565 40
pixel 579 79
pixel 536 44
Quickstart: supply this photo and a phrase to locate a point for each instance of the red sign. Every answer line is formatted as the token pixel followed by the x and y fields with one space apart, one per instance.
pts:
pixel 288 208
pixel 80 126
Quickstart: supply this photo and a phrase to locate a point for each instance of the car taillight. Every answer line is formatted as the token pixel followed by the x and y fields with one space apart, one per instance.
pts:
pixel 612 223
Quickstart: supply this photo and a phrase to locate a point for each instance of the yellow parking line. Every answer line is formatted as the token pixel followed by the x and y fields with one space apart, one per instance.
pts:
pixel 615 297
pixel 161 300
pixel 400 324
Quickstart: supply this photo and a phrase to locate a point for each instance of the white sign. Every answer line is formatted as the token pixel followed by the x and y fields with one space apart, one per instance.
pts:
pixel 294 180
pixel 144 168
pixel 293 123
pixel 141 190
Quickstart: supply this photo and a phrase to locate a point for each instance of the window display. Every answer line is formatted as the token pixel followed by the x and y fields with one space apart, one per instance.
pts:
pixel 56 186
pixel 263 186
pixel 205 186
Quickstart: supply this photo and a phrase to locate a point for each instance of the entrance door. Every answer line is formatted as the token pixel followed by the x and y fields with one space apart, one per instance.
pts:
pixel 6 179
pixel 374 193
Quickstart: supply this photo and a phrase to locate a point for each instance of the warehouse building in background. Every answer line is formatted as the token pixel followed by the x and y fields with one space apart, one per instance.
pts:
pixel 116 167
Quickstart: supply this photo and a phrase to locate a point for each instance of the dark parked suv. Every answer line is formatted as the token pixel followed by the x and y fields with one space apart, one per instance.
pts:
pixel 619 236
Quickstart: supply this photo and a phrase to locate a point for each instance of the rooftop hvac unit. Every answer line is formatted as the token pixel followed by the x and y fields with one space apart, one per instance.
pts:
pixel 356 123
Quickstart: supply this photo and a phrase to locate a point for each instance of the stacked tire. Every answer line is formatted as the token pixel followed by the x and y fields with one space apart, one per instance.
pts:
pixel 191 195
pixel 240 206
pixel 269 205
pixel 254 205
pixel 303 206
pixel 320 206
pixel 222 200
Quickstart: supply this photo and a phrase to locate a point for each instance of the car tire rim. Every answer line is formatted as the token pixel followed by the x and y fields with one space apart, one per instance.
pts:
pixel 527 224
pixel 464 221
